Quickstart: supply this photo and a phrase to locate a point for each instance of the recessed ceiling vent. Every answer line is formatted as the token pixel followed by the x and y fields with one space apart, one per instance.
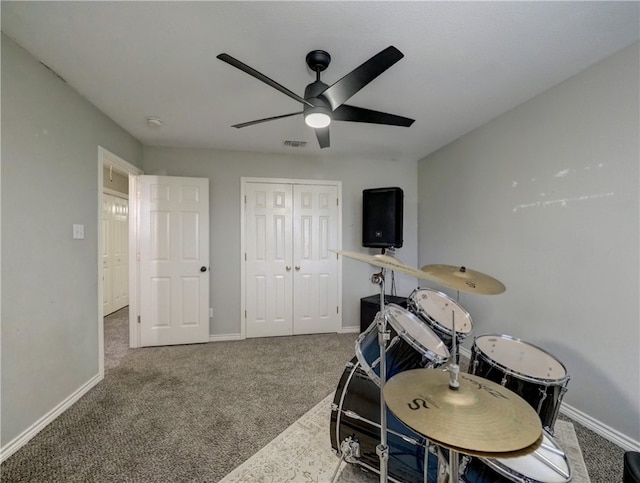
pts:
pixel 295 144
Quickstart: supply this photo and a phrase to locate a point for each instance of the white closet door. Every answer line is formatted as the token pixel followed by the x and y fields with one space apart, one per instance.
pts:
pixel 291 277
pixel 107 257
pixel 119 235
pixel 268 243
pixel 315 299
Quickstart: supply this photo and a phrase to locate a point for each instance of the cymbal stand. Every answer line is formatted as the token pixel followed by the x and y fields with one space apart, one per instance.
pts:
pixel 383 337
pixel 454 384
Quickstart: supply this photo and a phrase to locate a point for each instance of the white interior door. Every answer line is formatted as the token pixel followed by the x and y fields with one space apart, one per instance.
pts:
pixel 291 278
pixel 119 235
pixel 107 258
pixel 269 260
pixel 174 260
pixel 315 299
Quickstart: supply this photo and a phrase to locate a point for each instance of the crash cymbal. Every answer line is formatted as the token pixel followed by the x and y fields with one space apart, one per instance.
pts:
pixel 465 280
pixel 385 261
pixel 480 417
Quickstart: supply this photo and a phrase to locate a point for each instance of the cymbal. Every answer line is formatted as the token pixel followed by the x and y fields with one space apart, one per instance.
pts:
pixel 465 280
pixel 479 418
pixel 385 261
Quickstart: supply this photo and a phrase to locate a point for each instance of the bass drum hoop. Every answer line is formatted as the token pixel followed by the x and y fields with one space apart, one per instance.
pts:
pixel 475 350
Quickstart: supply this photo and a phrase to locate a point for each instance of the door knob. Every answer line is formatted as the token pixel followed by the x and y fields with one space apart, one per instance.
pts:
pixel 298 267
pixel 288 267
pixel 203 269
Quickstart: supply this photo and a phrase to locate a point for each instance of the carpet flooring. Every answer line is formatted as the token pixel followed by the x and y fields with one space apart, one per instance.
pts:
pixel 193 413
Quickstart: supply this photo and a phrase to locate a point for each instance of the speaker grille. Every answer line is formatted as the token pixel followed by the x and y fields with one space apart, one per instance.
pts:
pixel 382 213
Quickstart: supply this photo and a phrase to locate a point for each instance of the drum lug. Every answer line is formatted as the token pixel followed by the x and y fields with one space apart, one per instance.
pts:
pixel 334 407
pixel 350 449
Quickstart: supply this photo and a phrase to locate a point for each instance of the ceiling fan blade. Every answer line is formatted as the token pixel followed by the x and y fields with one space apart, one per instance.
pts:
pixel 322 133
pixel 351 83
pixel 252 72
pixel 359 114
pixel 258 121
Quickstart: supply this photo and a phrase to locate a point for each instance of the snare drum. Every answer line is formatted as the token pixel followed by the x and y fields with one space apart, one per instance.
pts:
pixel 532 373
pixel 437 310
pixel 355 414
pixel 413 345
pixel 548 464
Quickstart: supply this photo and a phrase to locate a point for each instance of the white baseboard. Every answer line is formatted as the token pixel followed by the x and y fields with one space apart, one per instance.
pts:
pixel 354 329
pixel 607 432
pixel 19 441
pixel 224 337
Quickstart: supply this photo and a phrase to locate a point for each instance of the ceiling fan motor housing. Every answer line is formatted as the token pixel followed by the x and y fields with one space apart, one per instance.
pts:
pixel 313 94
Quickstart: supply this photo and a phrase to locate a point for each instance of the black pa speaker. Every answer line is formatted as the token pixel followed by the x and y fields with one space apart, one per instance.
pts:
pixel 382 217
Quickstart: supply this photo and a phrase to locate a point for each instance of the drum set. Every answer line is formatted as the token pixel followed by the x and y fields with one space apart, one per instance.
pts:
pixel 403 409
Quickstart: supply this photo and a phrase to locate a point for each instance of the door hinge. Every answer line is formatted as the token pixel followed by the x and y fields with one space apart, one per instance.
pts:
pixel 245 314
pixel 137 195
pixel 245 256
pixel 138 319
pixel 245 199
pixel 337 309
pixel 337 202
pixel 137 257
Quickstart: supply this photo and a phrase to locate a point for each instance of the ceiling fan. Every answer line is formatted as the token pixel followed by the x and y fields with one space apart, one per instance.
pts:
pixel 322 103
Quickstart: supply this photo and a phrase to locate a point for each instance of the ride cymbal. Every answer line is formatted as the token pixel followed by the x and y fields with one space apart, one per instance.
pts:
pixel 480 417
pixel 385 261
pixel 465 280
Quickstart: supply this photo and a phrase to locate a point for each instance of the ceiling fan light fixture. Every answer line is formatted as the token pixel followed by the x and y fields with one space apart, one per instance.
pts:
pixel 317 119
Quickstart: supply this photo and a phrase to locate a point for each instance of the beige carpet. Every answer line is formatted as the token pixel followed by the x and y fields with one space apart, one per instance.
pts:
pixel 302 453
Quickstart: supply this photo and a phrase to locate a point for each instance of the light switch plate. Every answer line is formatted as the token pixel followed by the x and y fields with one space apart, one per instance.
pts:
pixel 78 232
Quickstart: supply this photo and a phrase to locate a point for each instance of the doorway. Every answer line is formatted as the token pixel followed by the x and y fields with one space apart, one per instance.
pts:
pixel 111 163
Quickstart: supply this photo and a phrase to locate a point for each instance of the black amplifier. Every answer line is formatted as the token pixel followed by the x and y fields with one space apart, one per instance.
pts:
pixel 370 306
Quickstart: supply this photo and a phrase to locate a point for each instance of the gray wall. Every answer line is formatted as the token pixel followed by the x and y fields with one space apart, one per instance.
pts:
pixel 224 170
pixel 50 138
pixel 545 198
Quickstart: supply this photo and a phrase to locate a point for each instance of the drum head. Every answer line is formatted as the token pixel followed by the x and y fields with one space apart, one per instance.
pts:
pixel 410 328
pixel 440 309
pixel 521 357
pixel 535 468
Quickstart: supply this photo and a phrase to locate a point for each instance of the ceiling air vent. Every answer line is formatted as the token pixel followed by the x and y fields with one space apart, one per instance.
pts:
pixel 295 144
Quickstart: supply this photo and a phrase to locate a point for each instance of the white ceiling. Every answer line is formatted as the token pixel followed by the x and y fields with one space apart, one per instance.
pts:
pixel 465 63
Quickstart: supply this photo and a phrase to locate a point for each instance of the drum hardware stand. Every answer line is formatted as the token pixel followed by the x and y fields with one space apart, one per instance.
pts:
pixel 350 450
pixel 383 337
pixel 454 370
pixel 551 465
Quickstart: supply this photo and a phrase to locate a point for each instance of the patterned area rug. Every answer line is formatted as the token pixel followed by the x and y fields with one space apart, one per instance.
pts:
pixel 302 453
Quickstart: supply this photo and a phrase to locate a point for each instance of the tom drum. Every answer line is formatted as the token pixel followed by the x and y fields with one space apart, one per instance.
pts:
pixel 412 345
pixel 438 311
pixel 532 373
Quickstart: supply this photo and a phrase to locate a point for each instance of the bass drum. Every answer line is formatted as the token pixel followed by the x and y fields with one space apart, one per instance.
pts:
pixel 548 464
pixel 355 413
